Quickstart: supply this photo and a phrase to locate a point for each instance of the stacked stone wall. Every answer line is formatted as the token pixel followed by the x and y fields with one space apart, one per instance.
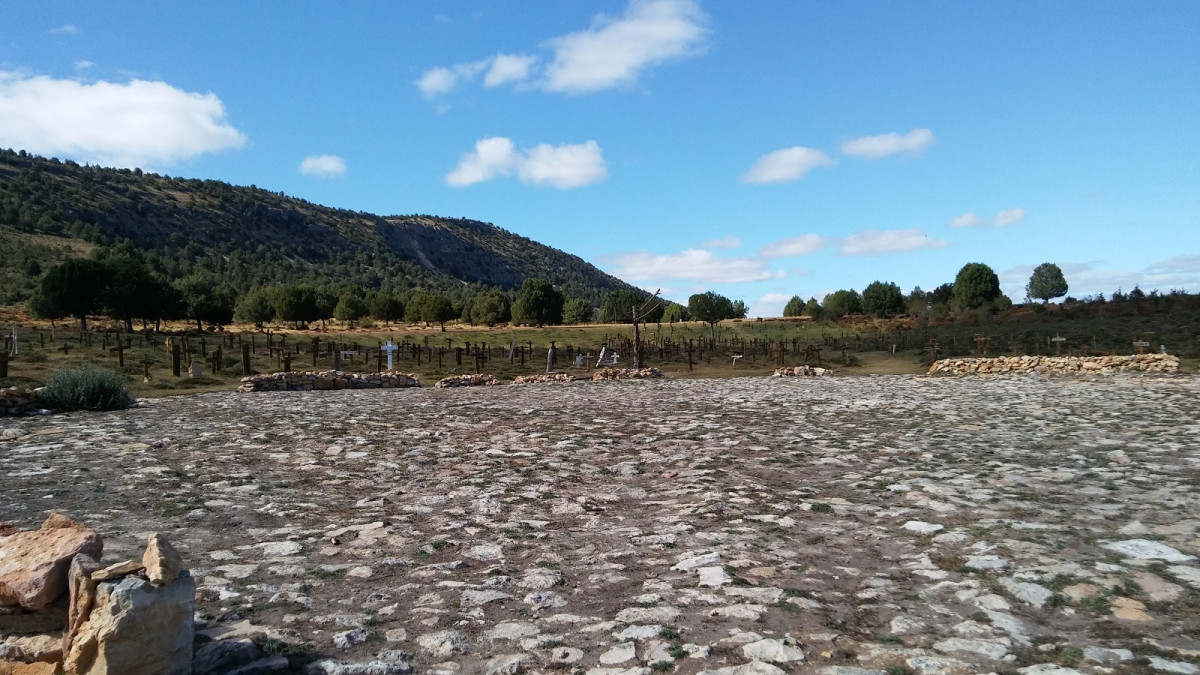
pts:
pixel 327 380
pixel 802 371
pixel 625 374
pixel 1058 365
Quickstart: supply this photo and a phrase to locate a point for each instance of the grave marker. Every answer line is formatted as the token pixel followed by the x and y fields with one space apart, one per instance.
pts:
pixel 1058 340
pixel 391 349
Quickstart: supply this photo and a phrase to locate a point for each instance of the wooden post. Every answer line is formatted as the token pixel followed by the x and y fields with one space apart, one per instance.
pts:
pixel 175 357
pixel 316 349
pixel 120 350
pixel 246 346
pixel 287 362
pixel 4 363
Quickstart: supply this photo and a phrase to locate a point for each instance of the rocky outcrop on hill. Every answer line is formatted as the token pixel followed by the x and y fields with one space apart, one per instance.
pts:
pixel 625 374
pixel 1061 365
pixel 476 380
pixel 325 380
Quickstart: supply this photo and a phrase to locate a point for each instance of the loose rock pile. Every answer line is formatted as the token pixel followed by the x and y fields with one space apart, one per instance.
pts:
pixel 1097 365
pixel 801 371
pixel 19 401
pixel 625 374
pixel 61 612
pixel 327 380
pixel 543 378
pixel 476 380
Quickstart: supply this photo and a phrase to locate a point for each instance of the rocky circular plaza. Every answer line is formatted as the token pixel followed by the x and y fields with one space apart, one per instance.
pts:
pixel 841 526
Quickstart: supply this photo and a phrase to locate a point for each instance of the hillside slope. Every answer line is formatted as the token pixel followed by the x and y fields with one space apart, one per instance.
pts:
pixel 250 236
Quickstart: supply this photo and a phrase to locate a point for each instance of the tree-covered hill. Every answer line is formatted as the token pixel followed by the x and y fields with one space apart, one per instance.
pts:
pixel 246 236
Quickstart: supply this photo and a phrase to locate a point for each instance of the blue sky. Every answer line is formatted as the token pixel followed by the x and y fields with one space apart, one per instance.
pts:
pixel 757 149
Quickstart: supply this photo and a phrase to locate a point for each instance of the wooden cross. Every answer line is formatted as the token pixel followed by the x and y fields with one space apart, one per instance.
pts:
pixel 981 344
pixel 1058 340
pixel 120 350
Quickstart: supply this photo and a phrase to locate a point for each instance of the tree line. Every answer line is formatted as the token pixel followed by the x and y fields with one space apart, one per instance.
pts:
pixel 975 287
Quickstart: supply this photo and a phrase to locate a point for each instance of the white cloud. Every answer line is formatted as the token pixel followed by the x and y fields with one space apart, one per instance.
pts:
pixel 323 166
pixel 83 64
pixel 1009 217
pixel 441 80
pixel 786 165
pixel 694 264
pixel 613 52
pixel 875 242
pixel 508 68
pixel 968 219
pixel 138 123
pixel 562 167
pixel 492 157
pixel 65 29
pixel 729 241
pixel 874 147
pixel 1001 219
pixel 794 246
pixel 770 304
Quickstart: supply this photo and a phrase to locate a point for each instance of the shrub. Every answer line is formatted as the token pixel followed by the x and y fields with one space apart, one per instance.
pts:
pixel 86 388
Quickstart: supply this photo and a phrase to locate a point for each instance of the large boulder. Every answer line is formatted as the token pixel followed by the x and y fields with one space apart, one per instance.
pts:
pixel 136 629
pixel 33 564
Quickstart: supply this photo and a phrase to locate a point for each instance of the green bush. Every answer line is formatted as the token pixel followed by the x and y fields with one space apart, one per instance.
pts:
pixel 86 388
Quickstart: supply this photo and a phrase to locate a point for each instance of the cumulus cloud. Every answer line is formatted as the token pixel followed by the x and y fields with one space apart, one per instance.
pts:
pixel 694 264
pixel 786 165
pixel 1001 219
pixel 794 246
pixel 139 123
pixel 563 167
pixel 769 304
pixel 884 145
pixel 875 242
pixel 507 68
pixel 323 166
pixel 728 241
pixel 613 52
pixel 441 80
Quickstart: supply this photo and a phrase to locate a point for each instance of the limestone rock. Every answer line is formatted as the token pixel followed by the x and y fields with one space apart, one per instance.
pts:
pixel 81 595
pixel 33 564
pixel 117 570
pixel 136 629
pixel 162 562
pixel 775 651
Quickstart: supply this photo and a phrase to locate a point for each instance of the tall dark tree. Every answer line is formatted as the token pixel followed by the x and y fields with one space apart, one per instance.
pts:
pixel 132 291
pixel 490 308
pixel 386 305
pixel 1047 281
pixel 975 285
pixel 538 303
pixel 204 300
pixel 295 303
pixel 882 299
pixel 840 303
pixel 710 308
pixel 576 311
pixel 794 306
pixel 74 287
pixel 255 306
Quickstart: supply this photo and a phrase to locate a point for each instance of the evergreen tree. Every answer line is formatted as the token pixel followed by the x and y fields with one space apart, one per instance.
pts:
pixel 975 285
pixel 882 299
pixel 1047 281
pixel 538 303
pixel 794 306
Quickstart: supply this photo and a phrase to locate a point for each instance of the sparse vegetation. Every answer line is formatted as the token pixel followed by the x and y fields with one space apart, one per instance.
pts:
pixel 86 388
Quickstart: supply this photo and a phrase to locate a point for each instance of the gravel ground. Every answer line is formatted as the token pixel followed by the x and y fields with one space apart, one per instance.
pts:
pixel 806 525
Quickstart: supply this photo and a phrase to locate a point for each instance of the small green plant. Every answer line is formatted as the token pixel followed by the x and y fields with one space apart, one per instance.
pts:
pixel 821 507
pixel 661 666
pixel 668 633
pixel 677 652
pixel 86 388
pixel 1070 656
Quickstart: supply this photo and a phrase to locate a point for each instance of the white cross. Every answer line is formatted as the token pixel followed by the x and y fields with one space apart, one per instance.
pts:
pixel 390 349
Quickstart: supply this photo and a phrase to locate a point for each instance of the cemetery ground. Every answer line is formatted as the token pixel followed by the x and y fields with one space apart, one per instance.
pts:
pixel 683 350
pixel 840 526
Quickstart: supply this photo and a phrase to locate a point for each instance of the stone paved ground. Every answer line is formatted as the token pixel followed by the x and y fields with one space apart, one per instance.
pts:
pixel 842 526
